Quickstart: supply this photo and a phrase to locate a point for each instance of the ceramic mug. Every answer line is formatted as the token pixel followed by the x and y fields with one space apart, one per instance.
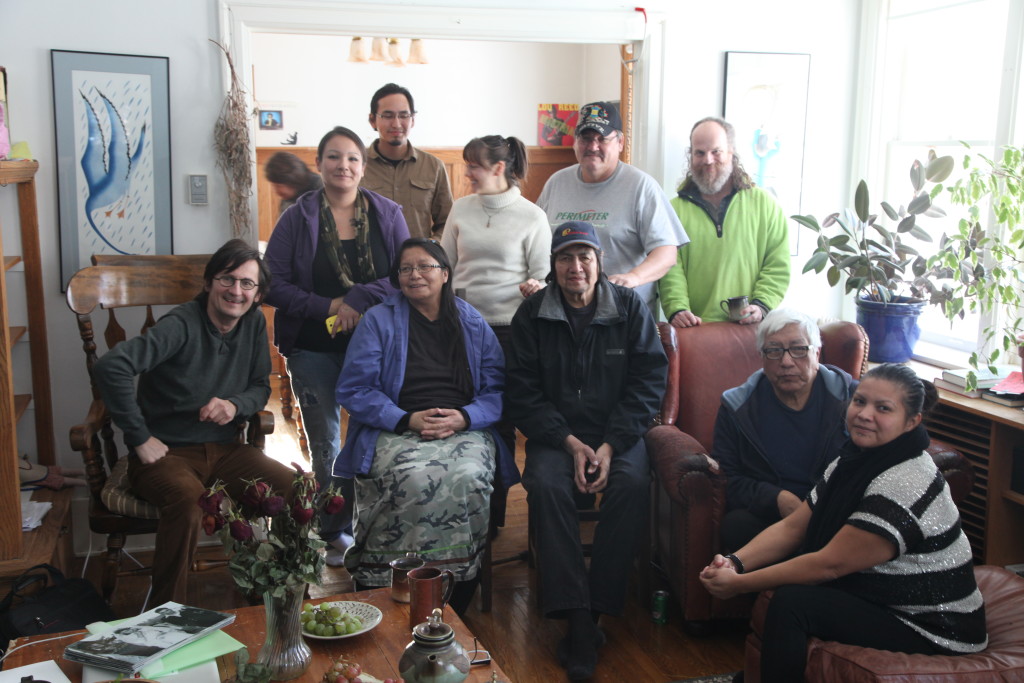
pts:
pixel 733 307
pixel 400 569
pixel 427 592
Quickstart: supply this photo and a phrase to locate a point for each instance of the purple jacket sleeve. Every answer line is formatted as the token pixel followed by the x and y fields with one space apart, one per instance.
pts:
pixel 290 252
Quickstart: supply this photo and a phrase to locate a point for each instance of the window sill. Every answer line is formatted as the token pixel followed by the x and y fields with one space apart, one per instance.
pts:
pixel 941 356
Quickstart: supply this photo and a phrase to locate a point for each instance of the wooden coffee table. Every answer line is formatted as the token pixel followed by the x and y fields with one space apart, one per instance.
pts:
pixel 377 651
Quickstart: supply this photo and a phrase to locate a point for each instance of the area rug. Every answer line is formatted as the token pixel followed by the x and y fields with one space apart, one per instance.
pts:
pixel 717 678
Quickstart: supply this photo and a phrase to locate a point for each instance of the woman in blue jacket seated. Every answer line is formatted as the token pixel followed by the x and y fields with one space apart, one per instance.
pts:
pixel 875 555
pixel 422 382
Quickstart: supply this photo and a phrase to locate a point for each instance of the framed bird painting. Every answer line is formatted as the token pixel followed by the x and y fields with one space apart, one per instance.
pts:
pixel 112 124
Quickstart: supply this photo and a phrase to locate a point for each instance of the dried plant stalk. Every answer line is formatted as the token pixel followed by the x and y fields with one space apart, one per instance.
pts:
pixel 234 153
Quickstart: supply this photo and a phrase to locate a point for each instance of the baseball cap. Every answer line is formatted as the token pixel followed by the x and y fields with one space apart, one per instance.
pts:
pixel 600 116
pixel 574 232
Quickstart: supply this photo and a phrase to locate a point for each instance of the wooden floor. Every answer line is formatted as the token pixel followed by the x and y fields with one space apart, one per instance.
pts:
pixel 516 633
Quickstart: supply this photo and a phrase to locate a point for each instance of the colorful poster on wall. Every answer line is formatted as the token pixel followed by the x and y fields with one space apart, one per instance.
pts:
pixel 766 101
pixel 556 124
pixel 113 155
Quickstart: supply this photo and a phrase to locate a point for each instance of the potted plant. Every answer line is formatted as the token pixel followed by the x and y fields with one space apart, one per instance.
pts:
pixel 889 275
pixel 983 267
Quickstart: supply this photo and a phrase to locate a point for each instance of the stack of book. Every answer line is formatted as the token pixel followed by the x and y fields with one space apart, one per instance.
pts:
pixel 135 642
pixel 1009 392
pixel 955 380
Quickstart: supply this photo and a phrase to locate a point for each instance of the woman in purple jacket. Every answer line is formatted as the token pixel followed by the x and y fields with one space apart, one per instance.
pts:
pixel 330 255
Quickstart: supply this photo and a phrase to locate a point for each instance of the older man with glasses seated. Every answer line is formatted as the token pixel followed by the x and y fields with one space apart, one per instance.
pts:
pixel 777 431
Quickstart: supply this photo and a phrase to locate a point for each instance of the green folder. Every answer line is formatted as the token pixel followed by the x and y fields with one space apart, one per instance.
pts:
pixel 203 650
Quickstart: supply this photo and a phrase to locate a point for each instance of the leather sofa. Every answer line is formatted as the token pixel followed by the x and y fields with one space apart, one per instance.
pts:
pixel 1002 660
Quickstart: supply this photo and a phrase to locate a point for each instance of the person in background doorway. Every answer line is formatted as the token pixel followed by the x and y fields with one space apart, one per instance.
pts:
pixel 395 169
pixel 290 178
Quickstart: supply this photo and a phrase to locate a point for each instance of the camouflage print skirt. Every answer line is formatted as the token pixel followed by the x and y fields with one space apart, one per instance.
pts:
pixel 430 497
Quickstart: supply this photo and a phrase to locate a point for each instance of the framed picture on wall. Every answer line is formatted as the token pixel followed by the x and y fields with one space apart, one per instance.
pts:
pixel 113 134
pixel 766 100
pixel 271 119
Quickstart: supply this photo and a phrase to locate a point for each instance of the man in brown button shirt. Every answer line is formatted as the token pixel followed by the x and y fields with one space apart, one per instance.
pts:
pixel 409 176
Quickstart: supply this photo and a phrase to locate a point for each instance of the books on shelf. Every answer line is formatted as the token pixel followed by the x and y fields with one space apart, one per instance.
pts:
pixel 1011 400
pixel 985 377
pixel 135 642
pixel 956 388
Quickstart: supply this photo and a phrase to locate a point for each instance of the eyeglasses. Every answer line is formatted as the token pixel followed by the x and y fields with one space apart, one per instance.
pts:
pixel 392 115
pixel 229 281
pixel 587 140
pixel 777 352
pixel 422 268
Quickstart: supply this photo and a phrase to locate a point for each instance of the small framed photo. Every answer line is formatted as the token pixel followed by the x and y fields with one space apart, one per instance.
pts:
pixel 271 119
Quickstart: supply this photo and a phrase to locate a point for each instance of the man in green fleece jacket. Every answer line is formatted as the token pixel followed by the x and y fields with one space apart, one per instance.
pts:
pixel 202 370
pixel 739 238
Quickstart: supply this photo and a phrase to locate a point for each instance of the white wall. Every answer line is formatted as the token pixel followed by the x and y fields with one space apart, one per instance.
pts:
pixel 496 85
pixel 176 30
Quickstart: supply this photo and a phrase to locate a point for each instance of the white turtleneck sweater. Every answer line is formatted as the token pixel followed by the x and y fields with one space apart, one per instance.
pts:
pixel 489 262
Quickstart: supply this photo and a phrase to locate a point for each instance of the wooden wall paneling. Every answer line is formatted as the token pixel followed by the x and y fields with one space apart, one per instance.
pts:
pixel 543 161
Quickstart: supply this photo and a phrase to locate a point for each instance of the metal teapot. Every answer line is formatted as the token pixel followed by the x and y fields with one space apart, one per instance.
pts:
pixel 433 656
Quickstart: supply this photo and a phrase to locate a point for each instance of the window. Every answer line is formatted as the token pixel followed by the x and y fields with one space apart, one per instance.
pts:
pixel 938 80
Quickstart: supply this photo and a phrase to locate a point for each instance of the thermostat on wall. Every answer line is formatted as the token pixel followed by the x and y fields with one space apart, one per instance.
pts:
pixel 197 190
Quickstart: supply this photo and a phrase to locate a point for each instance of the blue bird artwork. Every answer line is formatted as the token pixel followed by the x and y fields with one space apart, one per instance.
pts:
pixel 108 163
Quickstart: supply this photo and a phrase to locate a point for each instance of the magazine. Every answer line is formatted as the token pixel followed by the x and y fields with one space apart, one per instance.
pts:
pixel 135 642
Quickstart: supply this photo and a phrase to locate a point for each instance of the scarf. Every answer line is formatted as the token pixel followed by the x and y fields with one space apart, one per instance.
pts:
pixel 348 274
pixel 857 468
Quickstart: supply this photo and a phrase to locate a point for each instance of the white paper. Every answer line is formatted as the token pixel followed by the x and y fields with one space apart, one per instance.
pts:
pixel 43 671
pixel 32 514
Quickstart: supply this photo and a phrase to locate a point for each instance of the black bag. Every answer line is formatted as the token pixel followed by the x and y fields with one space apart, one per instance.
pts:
pixel 66 605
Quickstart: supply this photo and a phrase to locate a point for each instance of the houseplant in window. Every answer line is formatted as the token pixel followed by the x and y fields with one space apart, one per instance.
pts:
pixel 888 274
pixel 984 267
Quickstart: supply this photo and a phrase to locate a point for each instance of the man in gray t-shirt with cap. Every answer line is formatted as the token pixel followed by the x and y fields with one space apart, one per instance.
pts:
pixel 638 228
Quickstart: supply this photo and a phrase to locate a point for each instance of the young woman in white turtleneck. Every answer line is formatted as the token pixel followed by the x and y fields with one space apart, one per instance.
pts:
pixel 498 241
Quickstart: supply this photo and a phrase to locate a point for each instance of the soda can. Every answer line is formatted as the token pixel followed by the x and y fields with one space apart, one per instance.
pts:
pixel 659 607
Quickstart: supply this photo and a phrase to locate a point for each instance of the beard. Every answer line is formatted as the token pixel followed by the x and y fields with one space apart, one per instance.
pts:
pixel 711 179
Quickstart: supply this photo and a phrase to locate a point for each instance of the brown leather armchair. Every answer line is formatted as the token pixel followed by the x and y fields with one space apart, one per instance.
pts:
pixel 688 507
pixel 689 504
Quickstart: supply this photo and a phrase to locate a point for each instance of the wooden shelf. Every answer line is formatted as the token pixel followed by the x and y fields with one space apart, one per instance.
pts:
pixel 17 333
pixel 1017 498
pixel 17 171
pixel 17 179
pixel 48 543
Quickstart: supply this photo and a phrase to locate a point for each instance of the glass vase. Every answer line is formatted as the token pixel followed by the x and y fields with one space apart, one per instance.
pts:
pixel 284 650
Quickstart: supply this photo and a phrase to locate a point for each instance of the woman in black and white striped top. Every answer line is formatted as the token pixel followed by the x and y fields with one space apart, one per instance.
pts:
pixel 875 555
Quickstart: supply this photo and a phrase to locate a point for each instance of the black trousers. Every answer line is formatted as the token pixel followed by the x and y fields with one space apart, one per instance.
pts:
pixel 740 526
pixel 565 581
pixel 796 613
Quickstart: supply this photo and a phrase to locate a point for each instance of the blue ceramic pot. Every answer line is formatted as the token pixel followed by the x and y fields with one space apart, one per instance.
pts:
pixel 891 327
